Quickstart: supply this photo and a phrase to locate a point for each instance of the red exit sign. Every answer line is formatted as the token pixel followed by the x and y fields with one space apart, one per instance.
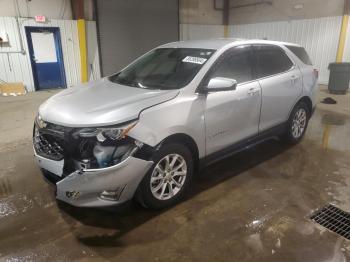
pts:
pixel 40 18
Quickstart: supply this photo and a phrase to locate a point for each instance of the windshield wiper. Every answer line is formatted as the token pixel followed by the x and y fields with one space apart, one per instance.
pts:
pixel 126 82
pixel 132 83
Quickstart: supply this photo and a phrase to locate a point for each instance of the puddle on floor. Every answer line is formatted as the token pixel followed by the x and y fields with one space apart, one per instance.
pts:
pixel 333 119
pixel 14 205
pixel 333 129
pixel 5 187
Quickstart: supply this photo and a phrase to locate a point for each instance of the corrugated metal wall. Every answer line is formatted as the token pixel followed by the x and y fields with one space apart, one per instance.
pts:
pixel 15 66
pixel 319 36
pixel 195 31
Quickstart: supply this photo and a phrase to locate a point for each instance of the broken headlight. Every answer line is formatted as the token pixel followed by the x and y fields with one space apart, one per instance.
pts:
pixel 104 146
pixel 103 133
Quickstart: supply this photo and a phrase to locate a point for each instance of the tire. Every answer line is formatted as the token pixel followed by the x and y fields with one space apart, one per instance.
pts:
pixel 297 124
pixel 163 192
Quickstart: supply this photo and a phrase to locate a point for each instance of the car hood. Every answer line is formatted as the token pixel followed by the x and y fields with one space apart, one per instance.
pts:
pixel 100 103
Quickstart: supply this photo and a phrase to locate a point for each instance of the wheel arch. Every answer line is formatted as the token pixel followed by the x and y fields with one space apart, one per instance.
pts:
pixel 286 136
pixel 187 141
pixel 307 100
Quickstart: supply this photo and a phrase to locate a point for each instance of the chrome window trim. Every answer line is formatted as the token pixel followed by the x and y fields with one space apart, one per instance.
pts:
pixel 293 67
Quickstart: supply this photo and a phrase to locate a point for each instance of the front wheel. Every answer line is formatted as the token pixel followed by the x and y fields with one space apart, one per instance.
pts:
pixel 167 181
pixel 297 123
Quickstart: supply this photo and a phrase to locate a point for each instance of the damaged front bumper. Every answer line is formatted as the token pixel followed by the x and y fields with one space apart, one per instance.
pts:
pixel 91 167
pixel 98 187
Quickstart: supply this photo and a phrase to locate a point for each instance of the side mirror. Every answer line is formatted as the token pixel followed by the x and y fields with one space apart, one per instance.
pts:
pixel 221 84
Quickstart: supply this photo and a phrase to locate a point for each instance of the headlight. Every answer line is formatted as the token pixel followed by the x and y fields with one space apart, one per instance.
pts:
pixel 101 134
pixel 40 122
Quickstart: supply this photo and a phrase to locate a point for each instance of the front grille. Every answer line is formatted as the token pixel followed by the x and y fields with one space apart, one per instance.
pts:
pixel 47 145
pixel 333 219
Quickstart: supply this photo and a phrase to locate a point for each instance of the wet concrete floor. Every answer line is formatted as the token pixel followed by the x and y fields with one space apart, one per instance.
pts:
pixel 253 206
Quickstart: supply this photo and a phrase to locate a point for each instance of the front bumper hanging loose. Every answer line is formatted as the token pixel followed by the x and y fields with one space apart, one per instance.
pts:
pixel 84 188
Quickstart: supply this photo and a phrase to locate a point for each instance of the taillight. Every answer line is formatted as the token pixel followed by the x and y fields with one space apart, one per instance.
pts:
pixel 316 73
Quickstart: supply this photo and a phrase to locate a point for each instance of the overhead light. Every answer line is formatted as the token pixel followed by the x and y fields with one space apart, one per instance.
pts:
pixel 298 6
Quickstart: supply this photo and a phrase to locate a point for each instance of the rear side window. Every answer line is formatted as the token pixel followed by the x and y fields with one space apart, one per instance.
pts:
pixel 300 53
pixel 235 64
pixel 271 60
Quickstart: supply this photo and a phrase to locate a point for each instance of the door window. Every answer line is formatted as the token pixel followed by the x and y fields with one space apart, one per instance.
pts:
pixel 235 64
pixel 44 47
pixel 271 60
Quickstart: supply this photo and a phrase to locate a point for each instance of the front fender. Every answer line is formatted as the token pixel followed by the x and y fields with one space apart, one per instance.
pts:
pixel 182 115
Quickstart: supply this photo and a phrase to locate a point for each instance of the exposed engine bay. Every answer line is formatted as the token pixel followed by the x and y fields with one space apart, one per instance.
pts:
pixel 84 148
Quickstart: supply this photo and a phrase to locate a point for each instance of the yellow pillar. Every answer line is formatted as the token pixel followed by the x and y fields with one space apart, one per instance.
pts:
pixel 325 138
pixel 83 52
pixel 342 38
pixel 225 31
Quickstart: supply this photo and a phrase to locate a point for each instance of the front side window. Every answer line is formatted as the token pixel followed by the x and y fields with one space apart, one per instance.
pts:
pixel 271 60
pixel 164 68
pixel 235 64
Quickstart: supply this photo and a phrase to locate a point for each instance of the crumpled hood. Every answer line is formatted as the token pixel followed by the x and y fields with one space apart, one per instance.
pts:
pixel 100 103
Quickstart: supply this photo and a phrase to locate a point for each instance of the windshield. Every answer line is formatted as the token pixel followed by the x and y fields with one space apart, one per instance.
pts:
pixel 164 68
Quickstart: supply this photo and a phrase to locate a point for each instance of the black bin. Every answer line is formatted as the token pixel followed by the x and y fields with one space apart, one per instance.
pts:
pixel 339 78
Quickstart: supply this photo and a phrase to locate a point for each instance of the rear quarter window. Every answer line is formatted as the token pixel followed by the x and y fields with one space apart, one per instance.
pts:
pixel 271 60
pixel 301 53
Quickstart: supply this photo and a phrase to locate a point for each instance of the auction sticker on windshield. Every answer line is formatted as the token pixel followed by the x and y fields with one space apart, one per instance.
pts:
pixel 193 59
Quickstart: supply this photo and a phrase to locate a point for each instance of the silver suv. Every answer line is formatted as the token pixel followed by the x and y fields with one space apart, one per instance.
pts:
pixel 143 132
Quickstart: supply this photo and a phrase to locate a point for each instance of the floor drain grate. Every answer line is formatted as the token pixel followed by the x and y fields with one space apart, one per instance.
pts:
pixel 333 219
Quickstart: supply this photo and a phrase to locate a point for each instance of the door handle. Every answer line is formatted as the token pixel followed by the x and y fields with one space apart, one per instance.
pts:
pixel 253 91
pixel 294 78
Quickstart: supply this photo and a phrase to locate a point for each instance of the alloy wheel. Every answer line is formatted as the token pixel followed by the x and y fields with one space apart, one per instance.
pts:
pixel 299 123
pixel 168 176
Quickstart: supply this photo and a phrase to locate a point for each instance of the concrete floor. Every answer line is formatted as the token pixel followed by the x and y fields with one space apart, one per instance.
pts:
pixel 253 206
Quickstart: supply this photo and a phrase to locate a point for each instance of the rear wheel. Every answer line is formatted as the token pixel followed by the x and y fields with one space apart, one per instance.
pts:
pixel 167 181
pixel 297 123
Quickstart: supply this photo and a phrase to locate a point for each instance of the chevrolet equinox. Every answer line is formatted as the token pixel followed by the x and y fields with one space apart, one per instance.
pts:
pixel 143 132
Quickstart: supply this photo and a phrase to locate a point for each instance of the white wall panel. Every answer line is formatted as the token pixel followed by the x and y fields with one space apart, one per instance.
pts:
pixel 54 9
pixel 319 36
pixel 196 31
pixel 16 67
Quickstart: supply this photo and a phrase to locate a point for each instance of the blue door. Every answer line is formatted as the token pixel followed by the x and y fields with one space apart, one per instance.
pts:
pixel 45 50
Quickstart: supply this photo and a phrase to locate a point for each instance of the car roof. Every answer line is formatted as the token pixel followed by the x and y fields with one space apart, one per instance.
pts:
pixel 220 43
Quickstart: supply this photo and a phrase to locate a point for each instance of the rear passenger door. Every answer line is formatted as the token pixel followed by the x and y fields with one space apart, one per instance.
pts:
pixel 281 84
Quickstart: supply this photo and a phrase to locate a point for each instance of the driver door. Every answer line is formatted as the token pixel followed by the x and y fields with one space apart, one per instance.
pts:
pixel 232 116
